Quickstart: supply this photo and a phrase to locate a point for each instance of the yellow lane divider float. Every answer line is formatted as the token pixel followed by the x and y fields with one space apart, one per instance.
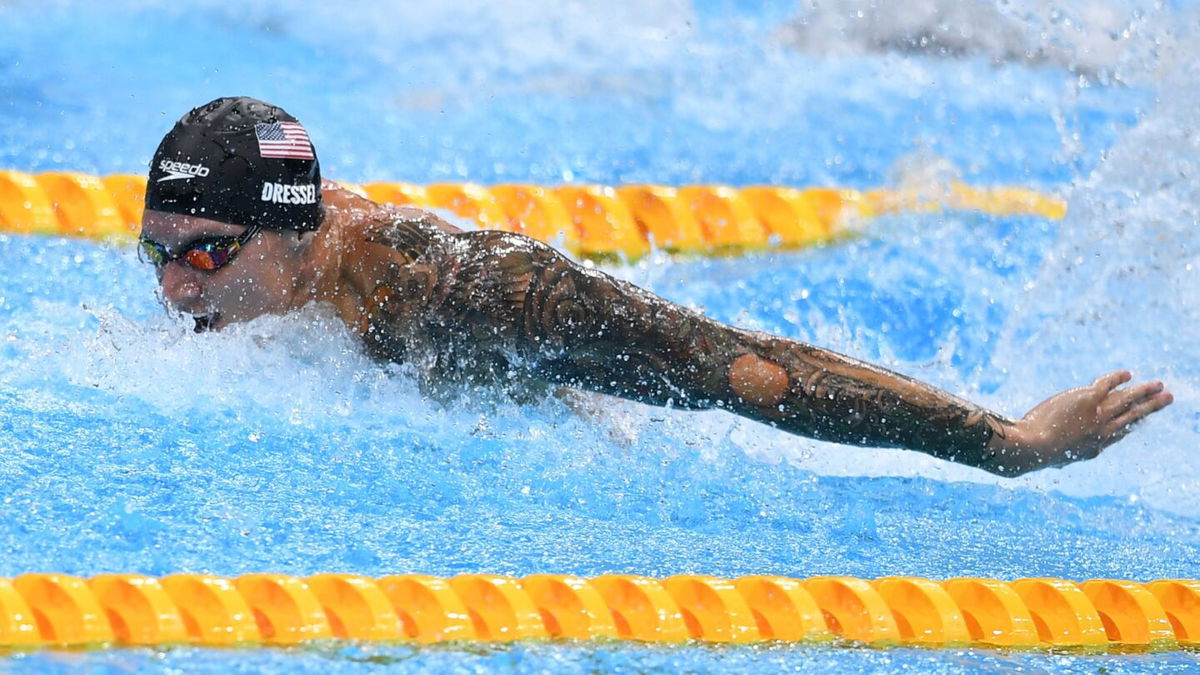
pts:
pixel 588 220
pixel 53 610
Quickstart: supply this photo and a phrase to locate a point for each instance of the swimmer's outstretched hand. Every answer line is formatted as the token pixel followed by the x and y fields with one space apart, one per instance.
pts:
pixel 1075 425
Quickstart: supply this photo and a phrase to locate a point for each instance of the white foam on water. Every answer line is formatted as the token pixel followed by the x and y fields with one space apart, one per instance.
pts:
pixel 305 364
pixel 1112 39
pixel 477 47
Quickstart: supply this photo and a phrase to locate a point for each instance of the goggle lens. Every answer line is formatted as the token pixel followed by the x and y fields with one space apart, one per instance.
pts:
pixel 211 257
pixel 154 253
pixel 208 255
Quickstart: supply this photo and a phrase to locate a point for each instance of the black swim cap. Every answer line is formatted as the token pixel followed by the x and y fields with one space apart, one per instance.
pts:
pixel 241 161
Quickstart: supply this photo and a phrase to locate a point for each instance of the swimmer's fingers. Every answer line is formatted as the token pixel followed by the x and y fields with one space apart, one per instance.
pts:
pixel 1120 400
pixel 1106 383
pixel 1120 425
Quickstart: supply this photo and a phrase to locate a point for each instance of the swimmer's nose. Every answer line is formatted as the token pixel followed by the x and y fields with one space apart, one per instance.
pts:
pixel 180 287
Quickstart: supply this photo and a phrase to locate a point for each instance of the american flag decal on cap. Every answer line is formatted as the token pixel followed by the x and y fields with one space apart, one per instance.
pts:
pixel 285 140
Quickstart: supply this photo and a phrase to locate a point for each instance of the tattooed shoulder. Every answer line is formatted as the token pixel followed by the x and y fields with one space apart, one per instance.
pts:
pixel 410 233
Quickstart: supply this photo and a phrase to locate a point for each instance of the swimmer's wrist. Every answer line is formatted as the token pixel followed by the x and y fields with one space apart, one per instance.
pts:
pixel 1011 451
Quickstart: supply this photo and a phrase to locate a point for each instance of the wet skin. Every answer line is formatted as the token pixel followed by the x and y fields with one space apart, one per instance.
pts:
pixel 503 311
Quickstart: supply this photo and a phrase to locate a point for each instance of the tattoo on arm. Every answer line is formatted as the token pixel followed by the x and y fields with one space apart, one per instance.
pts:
pixel 606 335
pixel 487 293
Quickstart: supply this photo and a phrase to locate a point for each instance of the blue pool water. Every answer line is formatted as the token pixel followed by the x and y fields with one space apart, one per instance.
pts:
pixel 130 444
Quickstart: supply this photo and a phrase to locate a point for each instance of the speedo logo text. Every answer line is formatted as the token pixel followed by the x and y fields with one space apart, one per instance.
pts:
pixel 280 193
pixel 180 170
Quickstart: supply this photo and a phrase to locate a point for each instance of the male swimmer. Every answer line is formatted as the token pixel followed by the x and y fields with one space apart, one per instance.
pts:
pixel 239 224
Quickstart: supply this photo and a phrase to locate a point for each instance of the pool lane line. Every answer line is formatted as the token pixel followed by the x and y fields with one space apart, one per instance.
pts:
pixel 40 611
pixel 595 221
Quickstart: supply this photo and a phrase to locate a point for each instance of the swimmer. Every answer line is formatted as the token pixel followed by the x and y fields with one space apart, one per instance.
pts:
pixel 238 224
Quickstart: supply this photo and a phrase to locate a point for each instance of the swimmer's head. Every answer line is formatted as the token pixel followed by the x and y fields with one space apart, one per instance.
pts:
pixel 233 203
pixel 241 161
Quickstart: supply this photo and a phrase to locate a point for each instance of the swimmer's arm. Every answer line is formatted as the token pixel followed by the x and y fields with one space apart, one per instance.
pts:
pixel 612 337
pixel 609 336
pixel 1071 426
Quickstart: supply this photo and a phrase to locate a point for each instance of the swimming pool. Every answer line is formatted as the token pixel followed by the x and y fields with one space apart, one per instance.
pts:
pixel 134 445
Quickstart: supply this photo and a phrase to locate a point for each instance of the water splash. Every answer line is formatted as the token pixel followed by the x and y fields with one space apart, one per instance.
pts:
pixel 1110 40
pixel 133 444
pixel 1122 282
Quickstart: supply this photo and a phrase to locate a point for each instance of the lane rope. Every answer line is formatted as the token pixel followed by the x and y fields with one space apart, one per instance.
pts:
pixel 56 610
pixel 39 610
pixel 595 221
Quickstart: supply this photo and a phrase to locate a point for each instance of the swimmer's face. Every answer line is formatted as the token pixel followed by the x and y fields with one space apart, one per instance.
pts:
pixel 260 279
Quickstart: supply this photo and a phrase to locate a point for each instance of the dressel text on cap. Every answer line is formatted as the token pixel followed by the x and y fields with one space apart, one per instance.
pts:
pixel 281 193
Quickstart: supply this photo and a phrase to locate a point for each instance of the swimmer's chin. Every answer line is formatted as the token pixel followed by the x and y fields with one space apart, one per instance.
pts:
pixel 208 322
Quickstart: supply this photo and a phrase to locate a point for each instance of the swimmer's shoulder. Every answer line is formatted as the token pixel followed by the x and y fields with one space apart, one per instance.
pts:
pixel 412 229
pixel 364 229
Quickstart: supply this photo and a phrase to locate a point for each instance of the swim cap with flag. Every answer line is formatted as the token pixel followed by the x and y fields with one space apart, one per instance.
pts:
pixel 238 160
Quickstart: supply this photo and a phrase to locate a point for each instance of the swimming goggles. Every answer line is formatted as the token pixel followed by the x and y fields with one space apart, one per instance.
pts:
pixel 206 253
